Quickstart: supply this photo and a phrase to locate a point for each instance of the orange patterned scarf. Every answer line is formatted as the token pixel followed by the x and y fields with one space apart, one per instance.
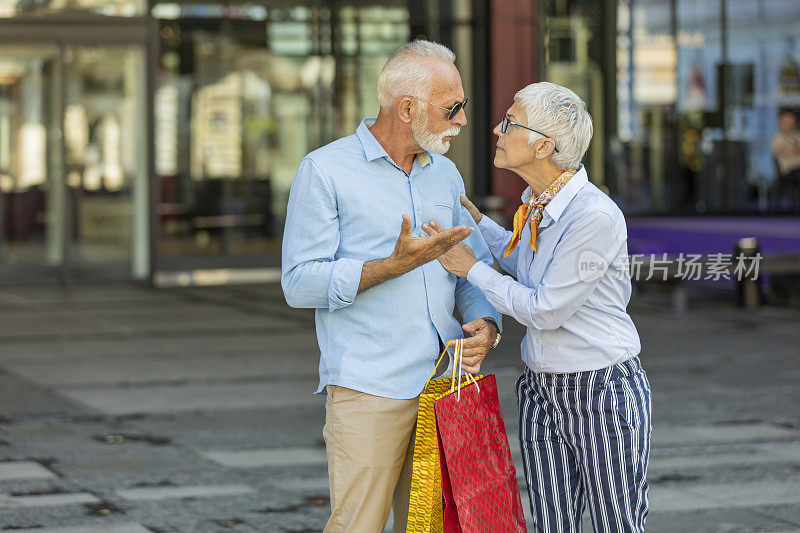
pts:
pixel 538 205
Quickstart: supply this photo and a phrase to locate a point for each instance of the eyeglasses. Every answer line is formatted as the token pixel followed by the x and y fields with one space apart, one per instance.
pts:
pixel 506 121
pixel 451 111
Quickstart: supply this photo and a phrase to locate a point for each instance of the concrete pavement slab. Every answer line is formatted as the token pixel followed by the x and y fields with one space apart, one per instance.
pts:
pixel 126 527
pixel 12 328
pixel 19 398
pixel 127 464
pixel 788 513
pixel 55 296
pixel 222 365
pixel 316 484
pixel 48 313
pixel 754 520
pixel 22 329
pixel 46 500
pixel 58 429
pixel 268 457
pixel 23 470
pixel 182 398
pixel 682 435
pixel 695 497
pixel 786 454
pixel 199 491
pixel 291 342
pixel 245 428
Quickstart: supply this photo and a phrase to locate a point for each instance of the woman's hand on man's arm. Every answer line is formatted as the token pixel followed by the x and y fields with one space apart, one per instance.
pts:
pixel 458 259
pixel 473 211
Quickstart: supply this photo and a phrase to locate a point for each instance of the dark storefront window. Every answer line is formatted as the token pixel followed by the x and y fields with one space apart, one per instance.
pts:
pixel 699 88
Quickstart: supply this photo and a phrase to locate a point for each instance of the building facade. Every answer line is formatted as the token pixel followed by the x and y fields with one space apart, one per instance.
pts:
pixel 159 140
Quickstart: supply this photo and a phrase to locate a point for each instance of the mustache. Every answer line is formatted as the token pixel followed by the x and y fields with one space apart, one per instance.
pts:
pixel 450 132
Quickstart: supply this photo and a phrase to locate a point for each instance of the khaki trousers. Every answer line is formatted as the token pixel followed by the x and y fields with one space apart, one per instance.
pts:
pixel 369 441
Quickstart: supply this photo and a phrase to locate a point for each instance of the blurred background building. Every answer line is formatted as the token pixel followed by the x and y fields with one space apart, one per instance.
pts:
pixel 158 140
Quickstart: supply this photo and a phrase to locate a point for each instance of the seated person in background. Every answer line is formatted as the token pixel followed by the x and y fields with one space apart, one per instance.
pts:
pixel 786 150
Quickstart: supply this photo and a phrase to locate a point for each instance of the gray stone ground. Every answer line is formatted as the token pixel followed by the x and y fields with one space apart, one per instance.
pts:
pixel 126 409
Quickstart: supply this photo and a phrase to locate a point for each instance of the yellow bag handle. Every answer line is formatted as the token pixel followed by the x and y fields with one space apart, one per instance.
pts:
pixel 446 346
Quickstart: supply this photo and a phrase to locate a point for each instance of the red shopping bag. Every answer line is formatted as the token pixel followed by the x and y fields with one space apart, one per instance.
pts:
pixel 450 514
pixel 479 481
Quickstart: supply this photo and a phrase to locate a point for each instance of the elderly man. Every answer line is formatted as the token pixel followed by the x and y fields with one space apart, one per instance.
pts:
pixel 584 399
pixel 383 304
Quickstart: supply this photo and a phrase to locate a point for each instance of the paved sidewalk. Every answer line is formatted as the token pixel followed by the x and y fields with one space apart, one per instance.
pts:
pixel 126 409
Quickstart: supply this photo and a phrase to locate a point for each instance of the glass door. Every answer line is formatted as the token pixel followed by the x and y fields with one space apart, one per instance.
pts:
pixel 73 162
pixel 105 165
pixel 31 188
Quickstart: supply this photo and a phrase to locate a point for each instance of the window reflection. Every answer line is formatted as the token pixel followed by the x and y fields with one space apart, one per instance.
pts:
pixel 102 160
pixel 28 75
pixel 102 130
pixel 571 43
pixel 115 8
pixel 241 101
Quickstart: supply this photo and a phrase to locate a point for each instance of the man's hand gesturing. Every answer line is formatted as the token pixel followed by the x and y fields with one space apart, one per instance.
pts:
pixel 411 252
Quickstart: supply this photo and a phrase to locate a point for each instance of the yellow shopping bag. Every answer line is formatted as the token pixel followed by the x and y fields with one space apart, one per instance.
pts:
pixel 425 512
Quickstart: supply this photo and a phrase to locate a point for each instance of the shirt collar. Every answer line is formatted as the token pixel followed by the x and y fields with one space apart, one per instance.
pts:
pixel 567 193
pixel 564 196
pixel 373 149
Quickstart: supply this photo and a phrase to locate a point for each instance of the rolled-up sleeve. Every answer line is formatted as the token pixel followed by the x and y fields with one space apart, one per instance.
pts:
pixel 312 276
pixel 471 302
pixel 580 259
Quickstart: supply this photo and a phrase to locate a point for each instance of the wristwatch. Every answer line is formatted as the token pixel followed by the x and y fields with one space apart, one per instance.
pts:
pixel 496 339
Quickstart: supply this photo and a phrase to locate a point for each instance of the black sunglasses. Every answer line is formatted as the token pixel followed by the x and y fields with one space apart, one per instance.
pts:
pixel 506 121
pixel 451 111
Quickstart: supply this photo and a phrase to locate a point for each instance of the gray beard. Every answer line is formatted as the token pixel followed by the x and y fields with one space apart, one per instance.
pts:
pixel 430 142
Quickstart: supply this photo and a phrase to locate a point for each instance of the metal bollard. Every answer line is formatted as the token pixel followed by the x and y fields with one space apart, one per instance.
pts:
pixel 748 289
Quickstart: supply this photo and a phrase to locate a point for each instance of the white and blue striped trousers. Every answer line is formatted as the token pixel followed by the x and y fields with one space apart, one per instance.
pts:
pixel 586 437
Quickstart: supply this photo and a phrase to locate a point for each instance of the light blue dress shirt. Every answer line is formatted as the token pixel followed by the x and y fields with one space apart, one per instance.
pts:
pixel 573 292
pixel 345 208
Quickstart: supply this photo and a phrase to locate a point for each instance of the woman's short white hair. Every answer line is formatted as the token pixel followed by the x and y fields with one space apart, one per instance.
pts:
pixel 406 73
pixel 560 114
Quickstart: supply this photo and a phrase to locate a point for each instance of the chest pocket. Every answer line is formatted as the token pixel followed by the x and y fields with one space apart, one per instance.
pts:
pixel 443 215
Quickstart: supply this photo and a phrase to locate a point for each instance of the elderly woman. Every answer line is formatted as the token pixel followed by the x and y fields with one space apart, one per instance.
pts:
pixel 584 399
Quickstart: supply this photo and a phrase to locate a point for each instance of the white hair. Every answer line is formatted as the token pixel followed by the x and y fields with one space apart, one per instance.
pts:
pixel 560 114
pixel 406 74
